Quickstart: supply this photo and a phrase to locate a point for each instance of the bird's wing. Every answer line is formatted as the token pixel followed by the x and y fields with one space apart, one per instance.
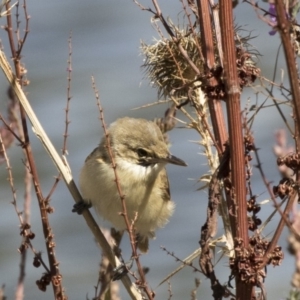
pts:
pixel 165 186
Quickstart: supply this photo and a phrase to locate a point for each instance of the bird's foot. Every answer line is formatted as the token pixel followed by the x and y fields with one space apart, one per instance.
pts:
pixel 122 270
pixel 80 206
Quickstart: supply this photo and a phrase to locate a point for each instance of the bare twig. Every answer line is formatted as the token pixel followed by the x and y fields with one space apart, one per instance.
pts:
pixel 185 262
pixel 54 276
pixel 69 97
pixel 19 294
pixel 122 197
pixel 283 27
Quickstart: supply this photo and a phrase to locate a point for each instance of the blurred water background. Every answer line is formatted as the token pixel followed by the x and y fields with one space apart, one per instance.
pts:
pixel 105 43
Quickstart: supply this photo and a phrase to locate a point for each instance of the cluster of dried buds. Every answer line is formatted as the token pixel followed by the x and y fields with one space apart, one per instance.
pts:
pixel 46 279
pixel 254 208
pixel 249 146
pixel 247 71
pixel 247 74
pixel 43 282
pixel 217 90
pixel 27 234
pixel 285 188
pixel 249 262
pixel 287 185
pixel 49 208
pixel 292 161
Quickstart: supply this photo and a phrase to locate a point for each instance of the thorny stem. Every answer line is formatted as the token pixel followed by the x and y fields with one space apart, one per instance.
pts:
pixel 283 221
pixel 284 29
pixel 283 26
pixel 49 236
pixel 21 40
pixel 24 232
pixel 190 264
pixel 122 198
pixel 238 201
pixel 69 97
pixel 262 173
pixel 20 288
pixel 234 121
pixel 193 7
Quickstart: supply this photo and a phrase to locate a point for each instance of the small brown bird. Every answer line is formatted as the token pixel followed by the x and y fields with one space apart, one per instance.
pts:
pixel 141 154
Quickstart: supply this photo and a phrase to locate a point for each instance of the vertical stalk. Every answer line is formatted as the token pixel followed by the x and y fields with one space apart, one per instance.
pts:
pixel 238 201
pixel 215 107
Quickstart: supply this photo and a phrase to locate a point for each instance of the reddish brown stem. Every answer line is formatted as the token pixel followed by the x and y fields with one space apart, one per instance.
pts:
pixel 238 174
pixel 215 108
pixel 284 30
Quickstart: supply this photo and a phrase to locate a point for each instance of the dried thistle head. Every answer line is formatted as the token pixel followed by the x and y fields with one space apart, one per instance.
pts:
pixel 165 66
pixel 169 71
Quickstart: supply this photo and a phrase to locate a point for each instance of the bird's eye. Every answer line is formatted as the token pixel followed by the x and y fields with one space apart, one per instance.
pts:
pixel 141 152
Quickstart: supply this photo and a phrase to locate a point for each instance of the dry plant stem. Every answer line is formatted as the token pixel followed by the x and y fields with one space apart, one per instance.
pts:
pixel 49 237
pixel 284 218
pixel 297 138
pixel 215 108
pixel 27 201
pixel 193 7
pixel 53 188
pixel 215 13
pixel 64 170
pixel 234 120
pixel 219 129
pixel 284 29
pixel 262 174
pixel 208 230
pixel 47 230
pixel 281 87
pixel 205 124
pixel 256 7
pixel 283 222
pixel 69 97
pixel 171 52
pixel 238 204
pixel 21 40
pixel 184 262
pixel 129 225
pixel 170 290
pixel 19 294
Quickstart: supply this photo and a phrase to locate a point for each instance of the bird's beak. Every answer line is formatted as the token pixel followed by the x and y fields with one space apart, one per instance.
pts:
pixel 170 159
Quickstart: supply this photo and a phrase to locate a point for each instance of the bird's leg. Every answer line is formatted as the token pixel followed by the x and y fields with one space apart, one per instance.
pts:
pixel 142 242
pixel 124 267
pixel 117 235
